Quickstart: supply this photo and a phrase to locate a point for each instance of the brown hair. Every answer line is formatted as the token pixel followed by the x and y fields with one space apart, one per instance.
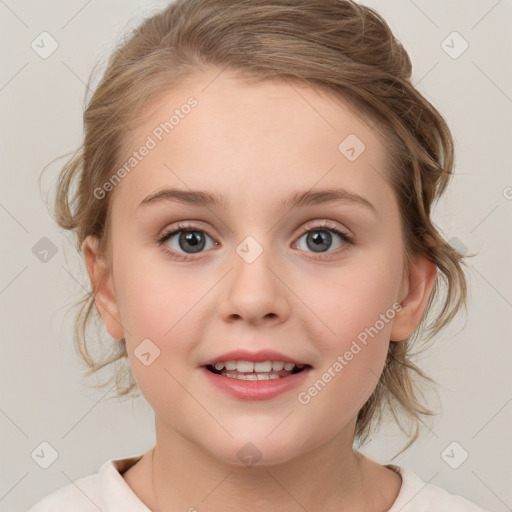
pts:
pixel 336 46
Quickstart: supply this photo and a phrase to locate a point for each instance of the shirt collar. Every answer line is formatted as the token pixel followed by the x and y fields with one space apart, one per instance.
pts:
pixel 119 497
pixel 115 492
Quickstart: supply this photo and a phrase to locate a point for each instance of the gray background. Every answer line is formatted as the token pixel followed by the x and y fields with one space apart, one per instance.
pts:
pixel 43 395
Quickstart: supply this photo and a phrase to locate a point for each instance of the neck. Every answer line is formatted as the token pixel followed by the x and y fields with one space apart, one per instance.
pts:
pixel 185 477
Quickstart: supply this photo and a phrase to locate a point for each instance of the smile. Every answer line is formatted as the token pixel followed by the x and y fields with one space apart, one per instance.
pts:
pixel 256 380
pixel 249 370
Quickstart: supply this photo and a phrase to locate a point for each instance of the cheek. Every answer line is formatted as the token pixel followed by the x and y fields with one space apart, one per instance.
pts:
pixel 155 297
pixel 160 311
pixel 360 313
pixel 357 313
pixel 351 300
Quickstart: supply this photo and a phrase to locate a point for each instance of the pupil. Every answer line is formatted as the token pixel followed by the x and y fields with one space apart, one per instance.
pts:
pixel 321 240
pixel 192 238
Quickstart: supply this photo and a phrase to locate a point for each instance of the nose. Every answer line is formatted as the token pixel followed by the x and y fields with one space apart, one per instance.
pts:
pixel 254 292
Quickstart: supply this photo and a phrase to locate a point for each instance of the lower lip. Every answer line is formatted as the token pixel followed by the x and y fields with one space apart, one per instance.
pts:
pixel 256 389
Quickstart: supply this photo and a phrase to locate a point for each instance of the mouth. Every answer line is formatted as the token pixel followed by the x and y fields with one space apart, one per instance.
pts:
pixel 255 370
pixel 262 375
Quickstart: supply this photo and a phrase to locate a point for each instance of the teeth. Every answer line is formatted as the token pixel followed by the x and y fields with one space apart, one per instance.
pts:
pixel 251 376
pixel 249 366
pixel 263 367
pixel 244 366
pixel 261 370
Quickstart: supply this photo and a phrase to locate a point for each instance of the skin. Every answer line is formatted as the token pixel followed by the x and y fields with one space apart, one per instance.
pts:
pixel 256 143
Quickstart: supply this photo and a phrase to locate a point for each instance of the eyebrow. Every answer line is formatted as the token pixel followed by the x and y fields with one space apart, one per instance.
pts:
pixel 295 200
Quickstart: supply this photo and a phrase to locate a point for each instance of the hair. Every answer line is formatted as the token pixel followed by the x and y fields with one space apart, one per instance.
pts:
pixel 338 47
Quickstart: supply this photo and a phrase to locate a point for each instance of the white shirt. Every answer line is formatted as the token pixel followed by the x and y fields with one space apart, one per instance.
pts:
pixel 108 491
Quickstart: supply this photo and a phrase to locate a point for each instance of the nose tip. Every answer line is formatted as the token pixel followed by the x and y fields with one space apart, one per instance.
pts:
pixel 253 293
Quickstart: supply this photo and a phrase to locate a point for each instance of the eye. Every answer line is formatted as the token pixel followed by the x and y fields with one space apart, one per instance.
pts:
pixel 184 240
pixel 190 240
pixel 319 238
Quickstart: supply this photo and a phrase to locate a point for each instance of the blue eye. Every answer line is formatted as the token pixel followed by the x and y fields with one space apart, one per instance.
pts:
pixel 320 238
pixel 192 240
pixel 189 239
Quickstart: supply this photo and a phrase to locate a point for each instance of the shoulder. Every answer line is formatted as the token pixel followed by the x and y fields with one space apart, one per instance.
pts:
pixel 81 495
pixel 106 491
pixel 416 495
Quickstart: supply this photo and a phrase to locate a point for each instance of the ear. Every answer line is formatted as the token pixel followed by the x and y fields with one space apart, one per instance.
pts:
pixel 416 290
pixel 100 276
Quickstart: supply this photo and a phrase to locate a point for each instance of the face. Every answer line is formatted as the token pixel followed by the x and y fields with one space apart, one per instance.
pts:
pixel 316 283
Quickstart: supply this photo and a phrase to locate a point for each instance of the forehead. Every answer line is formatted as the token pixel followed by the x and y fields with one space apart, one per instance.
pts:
pixel 246 140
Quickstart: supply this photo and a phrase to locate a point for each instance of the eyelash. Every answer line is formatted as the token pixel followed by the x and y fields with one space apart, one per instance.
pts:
pixel 325 226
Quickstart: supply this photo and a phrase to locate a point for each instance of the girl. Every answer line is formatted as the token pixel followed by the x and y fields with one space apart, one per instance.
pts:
pixel 253 204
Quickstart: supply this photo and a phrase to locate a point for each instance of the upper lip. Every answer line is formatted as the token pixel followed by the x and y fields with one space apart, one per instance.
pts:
pixel 246 355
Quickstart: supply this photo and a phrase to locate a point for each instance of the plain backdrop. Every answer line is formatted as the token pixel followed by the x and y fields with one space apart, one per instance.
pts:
pixel 44 397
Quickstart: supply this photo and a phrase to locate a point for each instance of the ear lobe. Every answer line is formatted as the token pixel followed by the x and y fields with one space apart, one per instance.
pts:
pixel 100 276
pixel 418 287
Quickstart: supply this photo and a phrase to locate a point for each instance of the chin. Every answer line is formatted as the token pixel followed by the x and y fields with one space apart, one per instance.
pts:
pixel 257 450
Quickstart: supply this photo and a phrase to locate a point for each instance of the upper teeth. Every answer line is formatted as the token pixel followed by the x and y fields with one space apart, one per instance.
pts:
pixel 250 366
